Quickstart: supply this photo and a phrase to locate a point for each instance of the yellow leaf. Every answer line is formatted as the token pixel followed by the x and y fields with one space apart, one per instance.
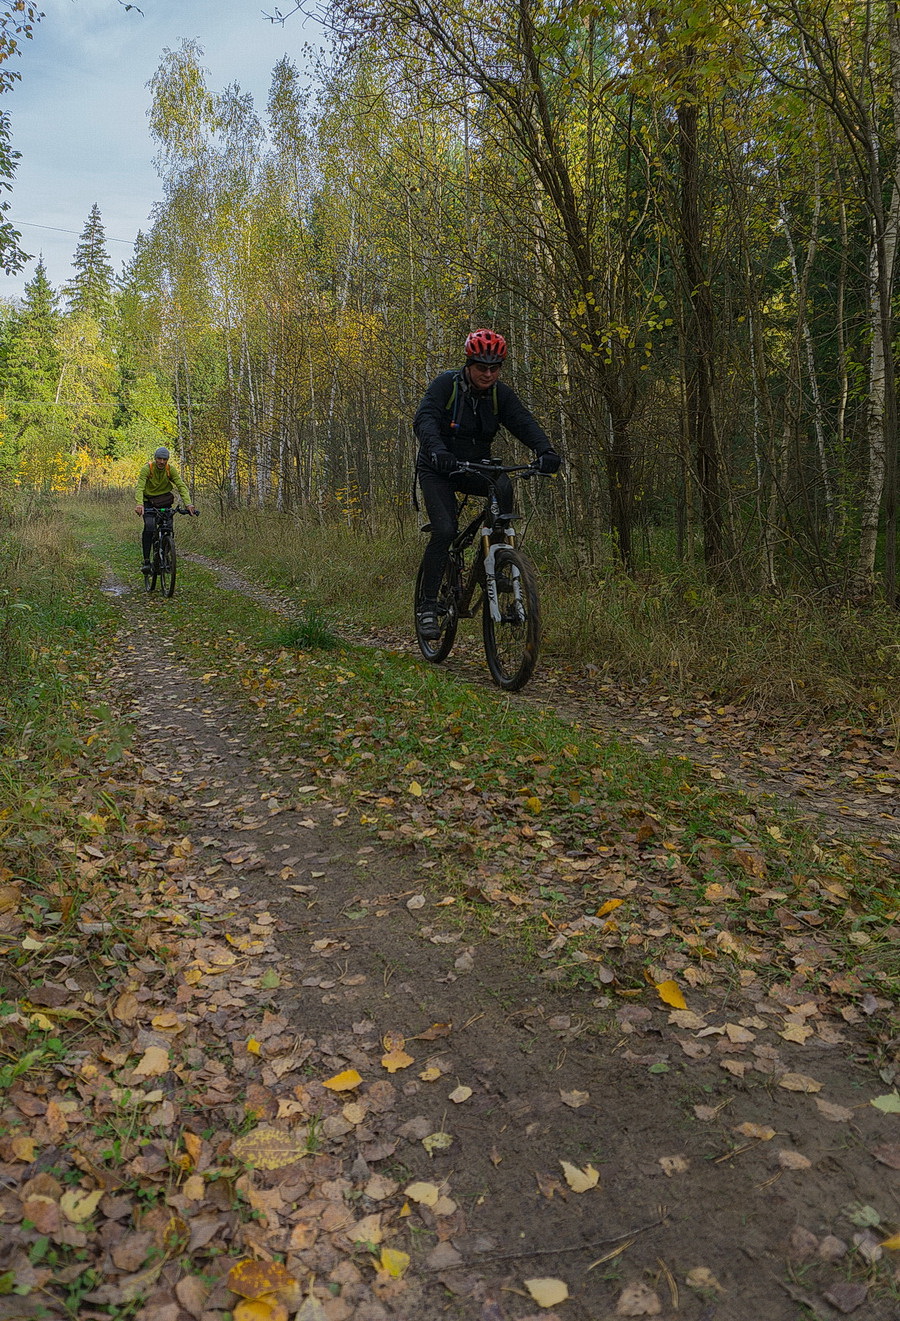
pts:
pixel 426 1194
pixel 260 1309
pixel 253 1046
pixel 77 1205
pixel 415 789
pixel 155 1062
pixel 393 1262
pixel 580 1180
pixel 670 994
pixel 343 1082
pixel 396 1059
pixel 430 1075
pixel 547 1292
pixel 533 805
pixel 23 1148
pixel 760 1131
pixel 259 1279
pixel 892 1243
pixel 193 1188
pixel 610 906
pixel 168 1022
pixel 437 1142
pixel 270 1148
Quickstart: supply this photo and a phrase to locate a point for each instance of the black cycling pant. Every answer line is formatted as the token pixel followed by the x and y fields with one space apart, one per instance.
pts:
pixel 439 494
pixel 150 523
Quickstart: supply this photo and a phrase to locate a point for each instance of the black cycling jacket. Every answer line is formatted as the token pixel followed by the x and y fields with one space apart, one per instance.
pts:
pixel 477 422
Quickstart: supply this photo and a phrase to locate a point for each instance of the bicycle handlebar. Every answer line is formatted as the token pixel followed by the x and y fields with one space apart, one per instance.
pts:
pixel 486 467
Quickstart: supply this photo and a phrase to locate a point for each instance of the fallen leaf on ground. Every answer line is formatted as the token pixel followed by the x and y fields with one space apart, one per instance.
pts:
pixel 638 1300
pixel 366 1230
pixel 799 1082
pixel 670 993
pixel 395 1056
pixel 460 1094
pixel 574 1099
pixel 674 1165
pixel 892 1243
pixel 889 1104
pixel 580 1180
pixel 155 1061
pixel 793 1160
pixel 847 1297
pixel 836 1114
pixel 889 1155
pixel 437 1142
pixel 546 1291
pixel 393 1262
pixel 78 1205
pixel 256 1279
pixel 701 1277
pixel 270 1148
pixel 343 1082
pixel 760 1131
pixel 425 1193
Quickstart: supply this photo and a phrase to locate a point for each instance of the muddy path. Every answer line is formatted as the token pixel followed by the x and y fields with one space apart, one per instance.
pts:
pixel 737 1155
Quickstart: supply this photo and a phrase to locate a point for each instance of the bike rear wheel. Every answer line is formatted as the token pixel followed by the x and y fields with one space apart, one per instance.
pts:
pixel 511 645
pixel 167 564
pixel 438 649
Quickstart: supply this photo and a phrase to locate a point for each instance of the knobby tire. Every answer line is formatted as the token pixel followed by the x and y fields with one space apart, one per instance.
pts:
pixel 167 565
pixel 511 646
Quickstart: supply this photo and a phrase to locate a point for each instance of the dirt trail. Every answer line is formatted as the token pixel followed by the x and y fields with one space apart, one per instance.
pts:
pixel 651 1100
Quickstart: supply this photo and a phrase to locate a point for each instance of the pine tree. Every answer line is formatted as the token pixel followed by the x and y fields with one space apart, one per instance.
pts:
pixel 91 289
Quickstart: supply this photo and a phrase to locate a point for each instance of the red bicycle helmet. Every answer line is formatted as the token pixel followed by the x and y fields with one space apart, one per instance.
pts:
pixel 485 346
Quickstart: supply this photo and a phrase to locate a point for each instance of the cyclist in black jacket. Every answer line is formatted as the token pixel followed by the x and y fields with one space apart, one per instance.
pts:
pixel 456 422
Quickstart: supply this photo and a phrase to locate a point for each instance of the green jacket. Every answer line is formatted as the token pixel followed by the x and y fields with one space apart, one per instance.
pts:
pixel 153 482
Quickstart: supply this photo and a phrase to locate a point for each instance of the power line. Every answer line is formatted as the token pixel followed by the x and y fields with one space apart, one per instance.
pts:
pixel 77 232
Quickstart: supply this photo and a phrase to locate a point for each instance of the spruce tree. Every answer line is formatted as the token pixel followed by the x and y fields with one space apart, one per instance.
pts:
pixel 91 288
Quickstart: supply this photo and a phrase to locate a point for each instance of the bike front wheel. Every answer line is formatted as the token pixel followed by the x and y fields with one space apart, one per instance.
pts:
pixel 151 577
pixel 167 566
pixel 438 649
pixel 511 643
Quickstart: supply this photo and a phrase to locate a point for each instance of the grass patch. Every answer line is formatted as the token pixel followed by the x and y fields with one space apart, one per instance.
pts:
pixel 310 632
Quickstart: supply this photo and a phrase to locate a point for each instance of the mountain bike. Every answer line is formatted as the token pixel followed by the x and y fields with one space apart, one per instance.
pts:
pixel 496 577
pixel 163 561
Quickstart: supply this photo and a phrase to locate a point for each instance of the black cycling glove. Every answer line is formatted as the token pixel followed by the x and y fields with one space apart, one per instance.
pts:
pixel 444 462
pixel 549 462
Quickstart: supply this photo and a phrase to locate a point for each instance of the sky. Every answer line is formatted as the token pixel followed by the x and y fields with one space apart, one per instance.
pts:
pixel 79 113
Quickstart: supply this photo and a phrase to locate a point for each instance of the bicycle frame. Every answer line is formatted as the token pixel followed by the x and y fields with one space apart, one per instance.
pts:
pixel 488 524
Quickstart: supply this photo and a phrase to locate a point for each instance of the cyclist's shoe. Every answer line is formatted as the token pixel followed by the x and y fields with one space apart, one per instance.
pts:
pixel 146 567
pixel 427 620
